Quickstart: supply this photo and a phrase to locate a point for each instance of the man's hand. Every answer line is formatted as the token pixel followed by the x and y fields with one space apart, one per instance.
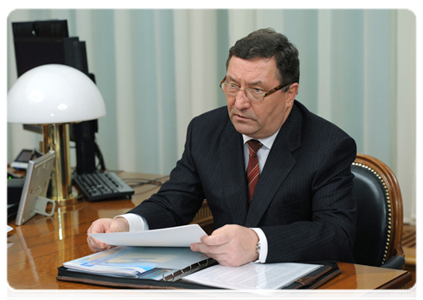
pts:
pixel 105 226
pixel 230 245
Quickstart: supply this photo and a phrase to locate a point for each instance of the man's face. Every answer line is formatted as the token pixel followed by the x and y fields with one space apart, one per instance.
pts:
pixel 258 119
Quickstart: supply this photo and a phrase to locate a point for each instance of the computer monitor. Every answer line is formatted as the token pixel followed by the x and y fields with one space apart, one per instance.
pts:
pixel 47 42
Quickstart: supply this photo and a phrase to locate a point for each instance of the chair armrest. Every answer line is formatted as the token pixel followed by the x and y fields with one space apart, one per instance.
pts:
pixel 394 262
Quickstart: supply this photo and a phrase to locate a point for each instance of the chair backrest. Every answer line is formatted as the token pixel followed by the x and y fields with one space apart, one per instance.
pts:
pixel 379 211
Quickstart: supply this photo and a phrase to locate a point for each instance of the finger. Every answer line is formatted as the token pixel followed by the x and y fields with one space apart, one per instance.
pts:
pixel 98 248
pixel 195 247
pixel 207 250
pixel 216 239
pixel 94 244
pixel 97 227
pixel 112 228
pixel 119 225
pixel 211 252
pixel 94 247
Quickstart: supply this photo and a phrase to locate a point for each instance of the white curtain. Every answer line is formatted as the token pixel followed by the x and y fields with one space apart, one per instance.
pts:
pixel 157 69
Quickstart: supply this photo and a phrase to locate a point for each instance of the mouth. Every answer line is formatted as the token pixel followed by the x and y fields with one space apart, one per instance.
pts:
pixel 241 117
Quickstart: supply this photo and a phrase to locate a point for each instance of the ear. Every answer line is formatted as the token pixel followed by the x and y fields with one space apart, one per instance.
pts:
pixel 291 94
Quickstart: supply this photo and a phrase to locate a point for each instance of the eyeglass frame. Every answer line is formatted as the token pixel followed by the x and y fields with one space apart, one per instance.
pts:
pixel 265 94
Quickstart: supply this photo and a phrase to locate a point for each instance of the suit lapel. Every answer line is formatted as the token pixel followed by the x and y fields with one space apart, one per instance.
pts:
pixel 234 175
pixel 278 165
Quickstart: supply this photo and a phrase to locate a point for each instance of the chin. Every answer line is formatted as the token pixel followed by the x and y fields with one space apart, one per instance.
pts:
pixel 243 130
pixel 244 126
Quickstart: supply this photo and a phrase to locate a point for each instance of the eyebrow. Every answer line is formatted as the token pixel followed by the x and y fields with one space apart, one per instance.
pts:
pixel 259 82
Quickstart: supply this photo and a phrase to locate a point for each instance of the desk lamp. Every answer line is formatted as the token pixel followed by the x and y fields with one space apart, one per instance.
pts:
pixel 53 96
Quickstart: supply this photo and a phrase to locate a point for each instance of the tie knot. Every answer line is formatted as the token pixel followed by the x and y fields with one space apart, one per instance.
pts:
pixel 254 146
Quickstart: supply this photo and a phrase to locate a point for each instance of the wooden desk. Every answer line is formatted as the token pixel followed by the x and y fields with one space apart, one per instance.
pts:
pixel 38 247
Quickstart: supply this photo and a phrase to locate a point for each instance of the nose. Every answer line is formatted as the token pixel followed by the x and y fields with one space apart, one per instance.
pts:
pixel 241 100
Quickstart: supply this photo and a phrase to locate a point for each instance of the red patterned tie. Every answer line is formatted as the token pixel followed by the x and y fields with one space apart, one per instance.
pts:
pixel 253 171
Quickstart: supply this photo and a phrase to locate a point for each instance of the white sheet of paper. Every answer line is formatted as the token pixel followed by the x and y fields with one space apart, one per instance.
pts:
pixel 180 236
pixel 9 228
pixel 252 275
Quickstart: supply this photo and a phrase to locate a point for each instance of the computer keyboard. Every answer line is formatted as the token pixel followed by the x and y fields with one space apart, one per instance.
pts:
pixel 104 185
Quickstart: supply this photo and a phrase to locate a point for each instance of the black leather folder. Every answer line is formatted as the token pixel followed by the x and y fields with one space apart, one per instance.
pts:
pixel 313 280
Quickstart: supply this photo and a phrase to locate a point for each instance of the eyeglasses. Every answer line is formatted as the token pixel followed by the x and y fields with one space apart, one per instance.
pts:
pixel 254 94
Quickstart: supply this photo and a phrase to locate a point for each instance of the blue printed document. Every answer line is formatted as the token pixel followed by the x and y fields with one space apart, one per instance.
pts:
pixel 137 262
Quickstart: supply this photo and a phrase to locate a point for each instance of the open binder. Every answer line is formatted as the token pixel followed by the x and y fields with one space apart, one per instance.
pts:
pixel 323 274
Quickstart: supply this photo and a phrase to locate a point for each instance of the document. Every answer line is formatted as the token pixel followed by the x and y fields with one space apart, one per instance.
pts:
pixel 9 228
pixel 162 258
pixel 252 276
pixel 180 236
pixel 137 262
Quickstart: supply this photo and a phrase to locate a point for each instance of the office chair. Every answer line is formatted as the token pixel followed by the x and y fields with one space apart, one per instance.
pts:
pixel 379 214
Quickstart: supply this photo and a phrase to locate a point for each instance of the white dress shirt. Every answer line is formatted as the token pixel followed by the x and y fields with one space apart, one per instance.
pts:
pixel 138 223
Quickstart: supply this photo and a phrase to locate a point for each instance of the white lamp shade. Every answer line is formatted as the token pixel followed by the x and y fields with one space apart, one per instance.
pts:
pixel 52 94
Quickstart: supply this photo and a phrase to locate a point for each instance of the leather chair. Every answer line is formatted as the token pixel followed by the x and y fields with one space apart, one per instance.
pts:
pixel 379 214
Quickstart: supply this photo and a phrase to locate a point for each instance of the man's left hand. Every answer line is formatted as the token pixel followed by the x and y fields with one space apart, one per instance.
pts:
pixel 230 245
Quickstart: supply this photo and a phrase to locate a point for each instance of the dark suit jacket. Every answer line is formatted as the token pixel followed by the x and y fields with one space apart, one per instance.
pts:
pixel 302 202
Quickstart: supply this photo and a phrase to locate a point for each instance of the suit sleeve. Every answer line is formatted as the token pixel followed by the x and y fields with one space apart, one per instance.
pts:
pixel 179 198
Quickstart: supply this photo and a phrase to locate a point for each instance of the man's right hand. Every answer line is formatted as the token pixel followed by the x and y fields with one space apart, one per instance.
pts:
pixel 105 225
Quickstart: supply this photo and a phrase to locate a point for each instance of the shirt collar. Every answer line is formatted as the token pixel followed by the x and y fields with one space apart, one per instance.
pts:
pixel 267 142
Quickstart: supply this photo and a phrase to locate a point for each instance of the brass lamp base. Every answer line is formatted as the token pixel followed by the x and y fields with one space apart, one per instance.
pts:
pixel 71 199
pixel 56 138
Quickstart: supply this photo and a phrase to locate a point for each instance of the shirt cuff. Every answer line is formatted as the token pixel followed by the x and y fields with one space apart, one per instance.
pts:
pixel 136 222
pixel 263 245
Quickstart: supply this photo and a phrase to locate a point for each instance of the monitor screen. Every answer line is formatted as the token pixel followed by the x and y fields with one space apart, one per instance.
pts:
pixel 38 43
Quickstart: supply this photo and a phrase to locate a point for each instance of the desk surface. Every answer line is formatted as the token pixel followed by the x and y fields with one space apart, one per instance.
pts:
pixel 38 247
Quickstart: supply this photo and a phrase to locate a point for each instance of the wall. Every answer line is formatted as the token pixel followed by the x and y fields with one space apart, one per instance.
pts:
pixel 157 69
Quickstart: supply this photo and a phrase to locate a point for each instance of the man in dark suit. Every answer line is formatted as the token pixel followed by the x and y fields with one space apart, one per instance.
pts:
pixel 301 209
